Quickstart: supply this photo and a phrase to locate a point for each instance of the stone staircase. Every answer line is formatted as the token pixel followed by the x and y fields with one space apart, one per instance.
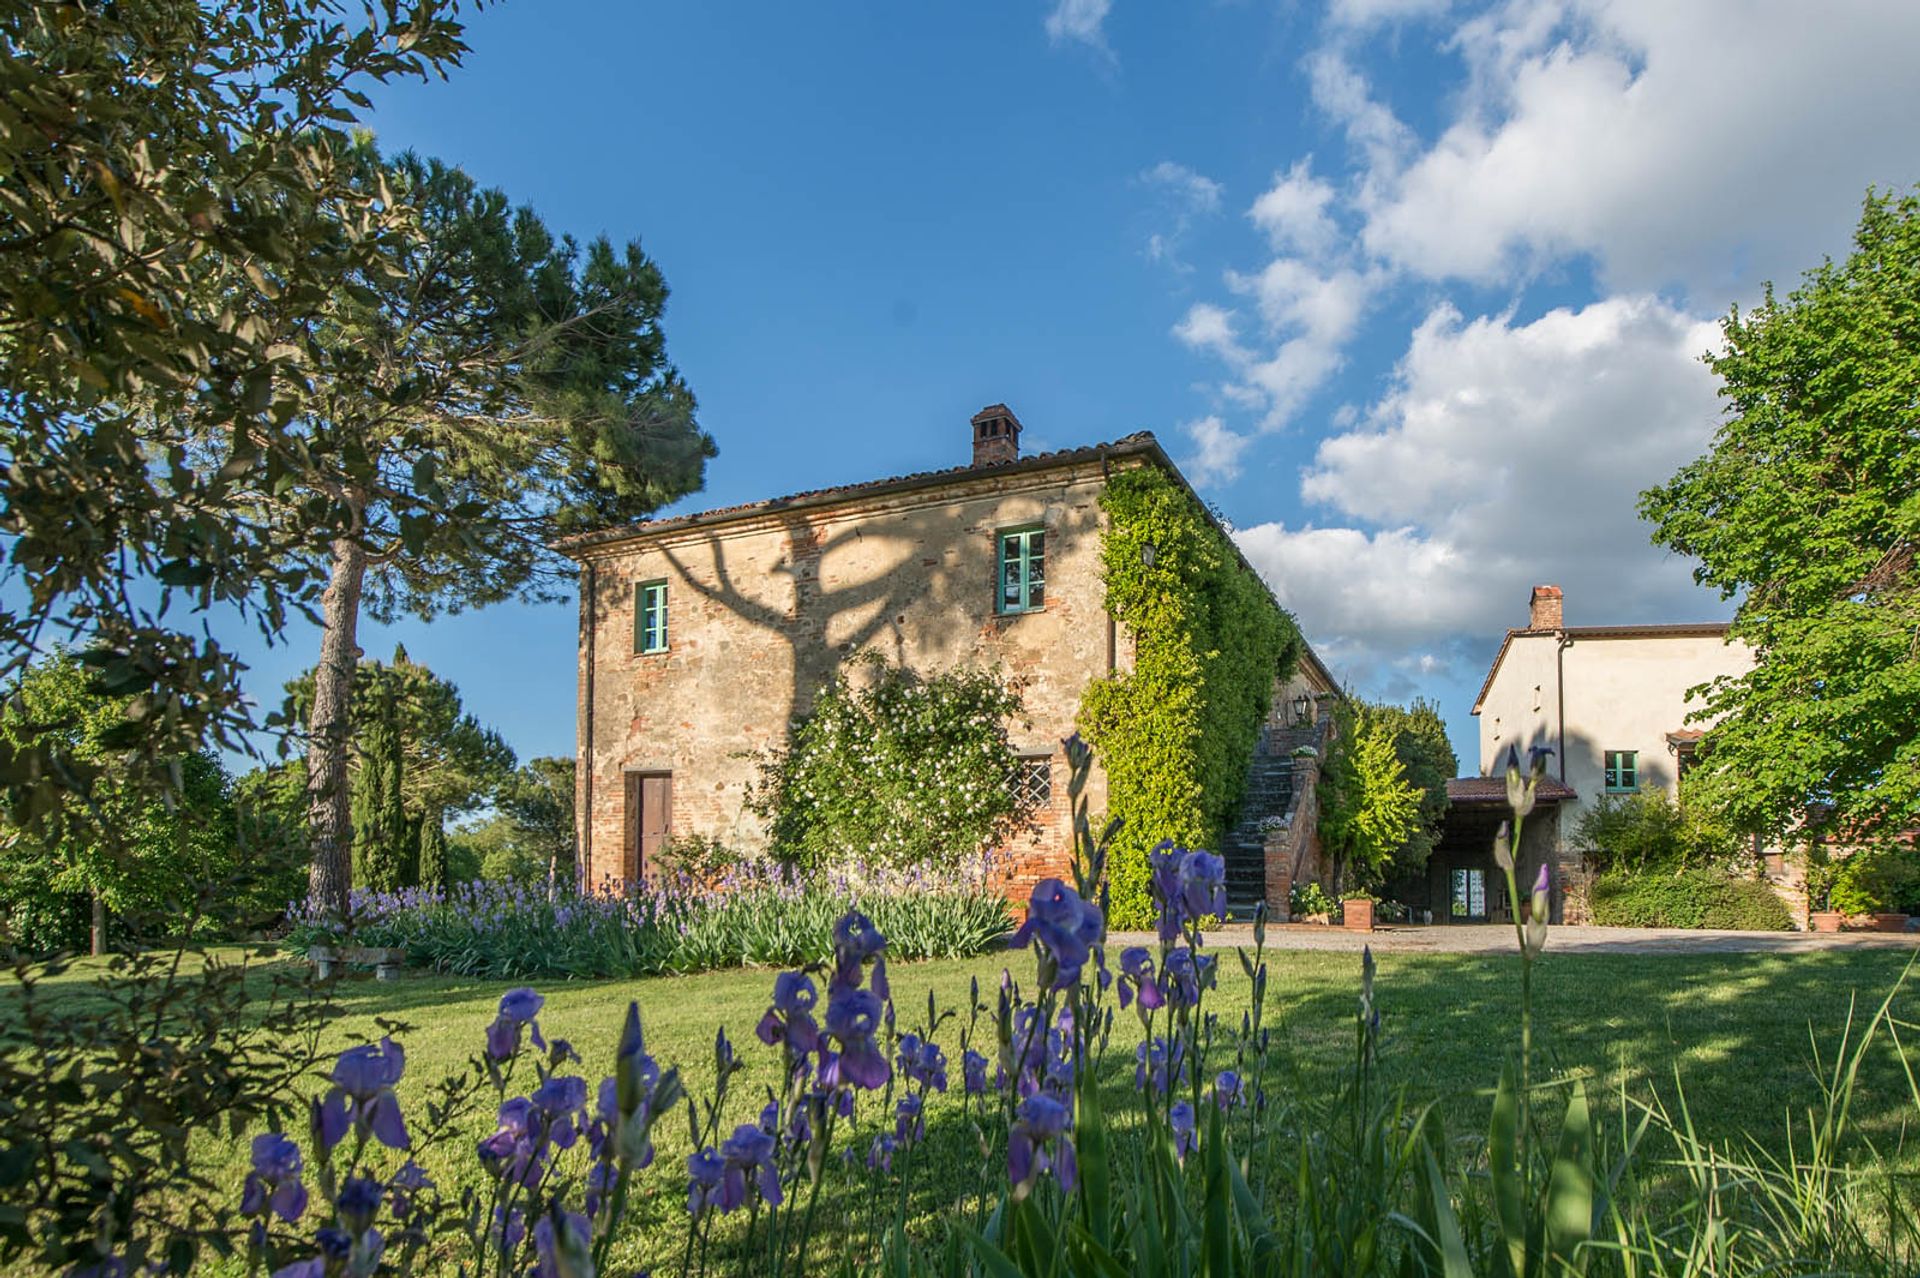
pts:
pixel 1269 793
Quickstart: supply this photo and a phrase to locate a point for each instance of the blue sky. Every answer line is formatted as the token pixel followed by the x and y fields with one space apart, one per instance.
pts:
pixel 1415 291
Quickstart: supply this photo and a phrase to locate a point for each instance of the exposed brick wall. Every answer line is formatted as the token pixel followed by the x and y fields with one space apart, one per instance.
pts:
pixel 762 613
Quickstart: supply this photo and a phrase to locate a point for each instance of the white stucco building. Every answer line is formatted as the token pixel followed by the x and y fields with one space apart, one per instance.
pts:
pixel 1610 701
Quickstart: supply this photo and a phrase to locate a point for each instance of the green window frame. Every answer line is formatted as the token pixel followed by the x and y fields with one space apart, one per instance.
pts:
pixel 650 617
pixel 1622 771
pixel 1022 573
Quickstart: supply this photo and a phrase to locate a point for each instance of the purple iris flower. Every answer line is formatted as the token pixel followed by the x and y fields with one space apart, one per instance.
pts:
pixel 855 940
pixel 909 1121
pixel 560 1100
pixel 407 1184
pixel 1137 979
pixel 358 1202
pixel 515 1152
pixel 274 1183
pixel 1203 884
pixel 1185 975
pixel 705 1172
pixel 1180 1119
pixel 748 1152
pixel 973 1072
pixel 561 1241
pixel 852 1017
pixel 790 1018
pixel 1227 1089
pixel 1038 1143
pixel 922 1061
pixel 1163 876
pixel 880 1153
pixel 518 1008
pixel 1158 1065
pixel 362 1096
pixel 1066 925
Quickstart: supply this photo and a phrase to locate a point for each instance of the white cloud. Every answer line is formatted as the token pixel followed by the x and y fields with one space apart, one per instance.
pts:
pixel 1188 196
pixel 1217 454
pixel 1366 13
pixel 1308 315
pixel 1293 212
pixel 1370 125
pixel 1080 20
pixel 1707 144
pixel 1504 455
pixel 1195 190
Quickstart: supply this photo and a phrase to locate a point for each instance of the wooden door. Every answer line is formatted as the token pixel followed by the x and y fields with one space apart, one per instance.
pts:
pixel 649 820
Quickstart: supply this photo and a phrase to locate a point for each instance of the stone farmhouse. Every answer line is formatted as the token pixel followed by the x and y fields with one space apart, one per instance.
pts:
pixel 704 636
pixel 1611 702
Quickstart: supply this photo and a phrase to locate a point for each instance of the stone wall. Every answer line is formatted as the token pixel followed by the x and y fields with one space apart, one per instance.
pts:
pixel 764 610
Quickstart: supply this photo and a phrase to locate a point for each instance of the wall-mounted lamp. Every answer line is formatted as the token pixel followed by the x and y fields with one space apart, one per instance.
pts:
pixel 1302 705
pixel 1147 554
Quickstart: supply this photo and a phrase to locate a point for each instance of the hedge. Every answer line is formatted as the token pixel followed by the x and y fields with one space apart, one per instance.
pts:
pixel 1688 898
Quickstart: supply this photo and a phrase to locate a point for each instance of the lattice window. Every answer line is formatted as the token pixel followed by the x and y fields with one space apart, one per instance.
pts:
pixel 1032 783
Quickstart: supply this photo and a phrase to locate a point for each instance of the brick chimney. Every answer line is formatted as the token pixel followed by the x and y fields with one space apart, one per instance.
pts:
pixel 1544 610
pixel 996 436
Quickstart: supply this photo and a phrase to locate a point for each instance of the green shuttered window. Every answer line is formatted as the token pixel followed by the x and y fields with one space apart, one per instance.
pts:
pixel 650 617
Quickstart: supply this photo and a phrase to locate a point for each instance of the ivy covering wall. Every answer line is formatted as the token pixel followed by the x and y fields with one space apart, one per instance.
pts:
pixel 1177 732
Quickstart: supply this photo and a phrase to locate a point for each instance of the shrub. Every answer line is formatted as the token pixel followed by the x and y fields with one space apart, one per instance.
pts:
pixel 1691 897
pixel 758 916
pixel 907 770
pixel 1308 898
pixel 1877 879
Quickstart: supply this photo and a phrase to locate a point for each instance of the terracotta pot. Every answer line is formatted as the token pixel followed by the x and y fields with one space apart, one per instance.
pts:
pixel 1887 922
pixel 1825 921
pixel 1358 915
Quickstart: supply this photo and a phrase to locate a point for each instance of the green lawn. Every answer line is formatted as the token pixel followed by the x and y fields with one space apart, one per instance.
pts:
pixel 1737 1029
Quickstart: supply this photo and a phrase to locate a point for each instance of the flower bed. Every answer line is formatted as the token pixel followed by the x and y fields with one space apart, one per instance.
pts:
pixel 757 916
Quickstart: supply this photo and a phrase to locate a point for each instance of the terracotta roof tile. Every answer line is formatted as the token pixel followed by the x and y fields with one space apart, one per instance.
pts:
pixel 1477 790
pixel 1137 443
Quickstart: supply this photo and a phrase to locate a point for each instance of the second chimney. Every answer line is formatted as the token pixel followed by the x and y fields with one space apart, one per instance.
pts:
pixel 996 436
pixel 1545 610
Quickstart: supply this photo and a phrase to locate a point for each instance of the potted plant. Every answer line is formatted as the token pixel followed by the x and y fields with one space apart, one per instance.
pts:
pixel 1821 916
pixel 1356 911
pixel 1309 903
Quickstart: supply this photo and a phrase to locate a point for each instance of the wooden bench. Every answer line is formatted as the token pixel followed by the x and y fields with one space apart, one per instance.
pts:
pixel 385 960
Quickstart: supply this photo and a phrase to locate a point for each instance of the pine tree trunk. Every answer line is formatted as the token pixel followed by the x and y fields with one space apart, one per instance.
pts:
pixel 98 940
pixel 329 811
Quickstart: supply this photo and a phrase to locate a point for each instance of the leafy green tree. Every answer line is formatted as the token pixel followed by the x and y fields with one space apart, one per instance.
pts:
pixel 538 799
pixel 496 847
pixel 1426 757
pixel 126 853
pixel 1807 509
pixel 176 176
pixel 893 767
pixel 1369 811
pixel 506 377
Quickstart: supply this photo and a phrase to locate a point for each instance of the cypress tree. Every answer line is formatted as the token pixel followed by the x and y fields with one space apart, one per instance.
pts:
pixel 433 852
pixel 379 812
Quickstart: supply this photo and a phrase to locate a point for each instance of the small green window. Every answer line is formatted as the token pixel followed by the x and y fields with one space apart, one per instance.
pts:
pixel 1623 771
pixel 650 617
pixel 1023 570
